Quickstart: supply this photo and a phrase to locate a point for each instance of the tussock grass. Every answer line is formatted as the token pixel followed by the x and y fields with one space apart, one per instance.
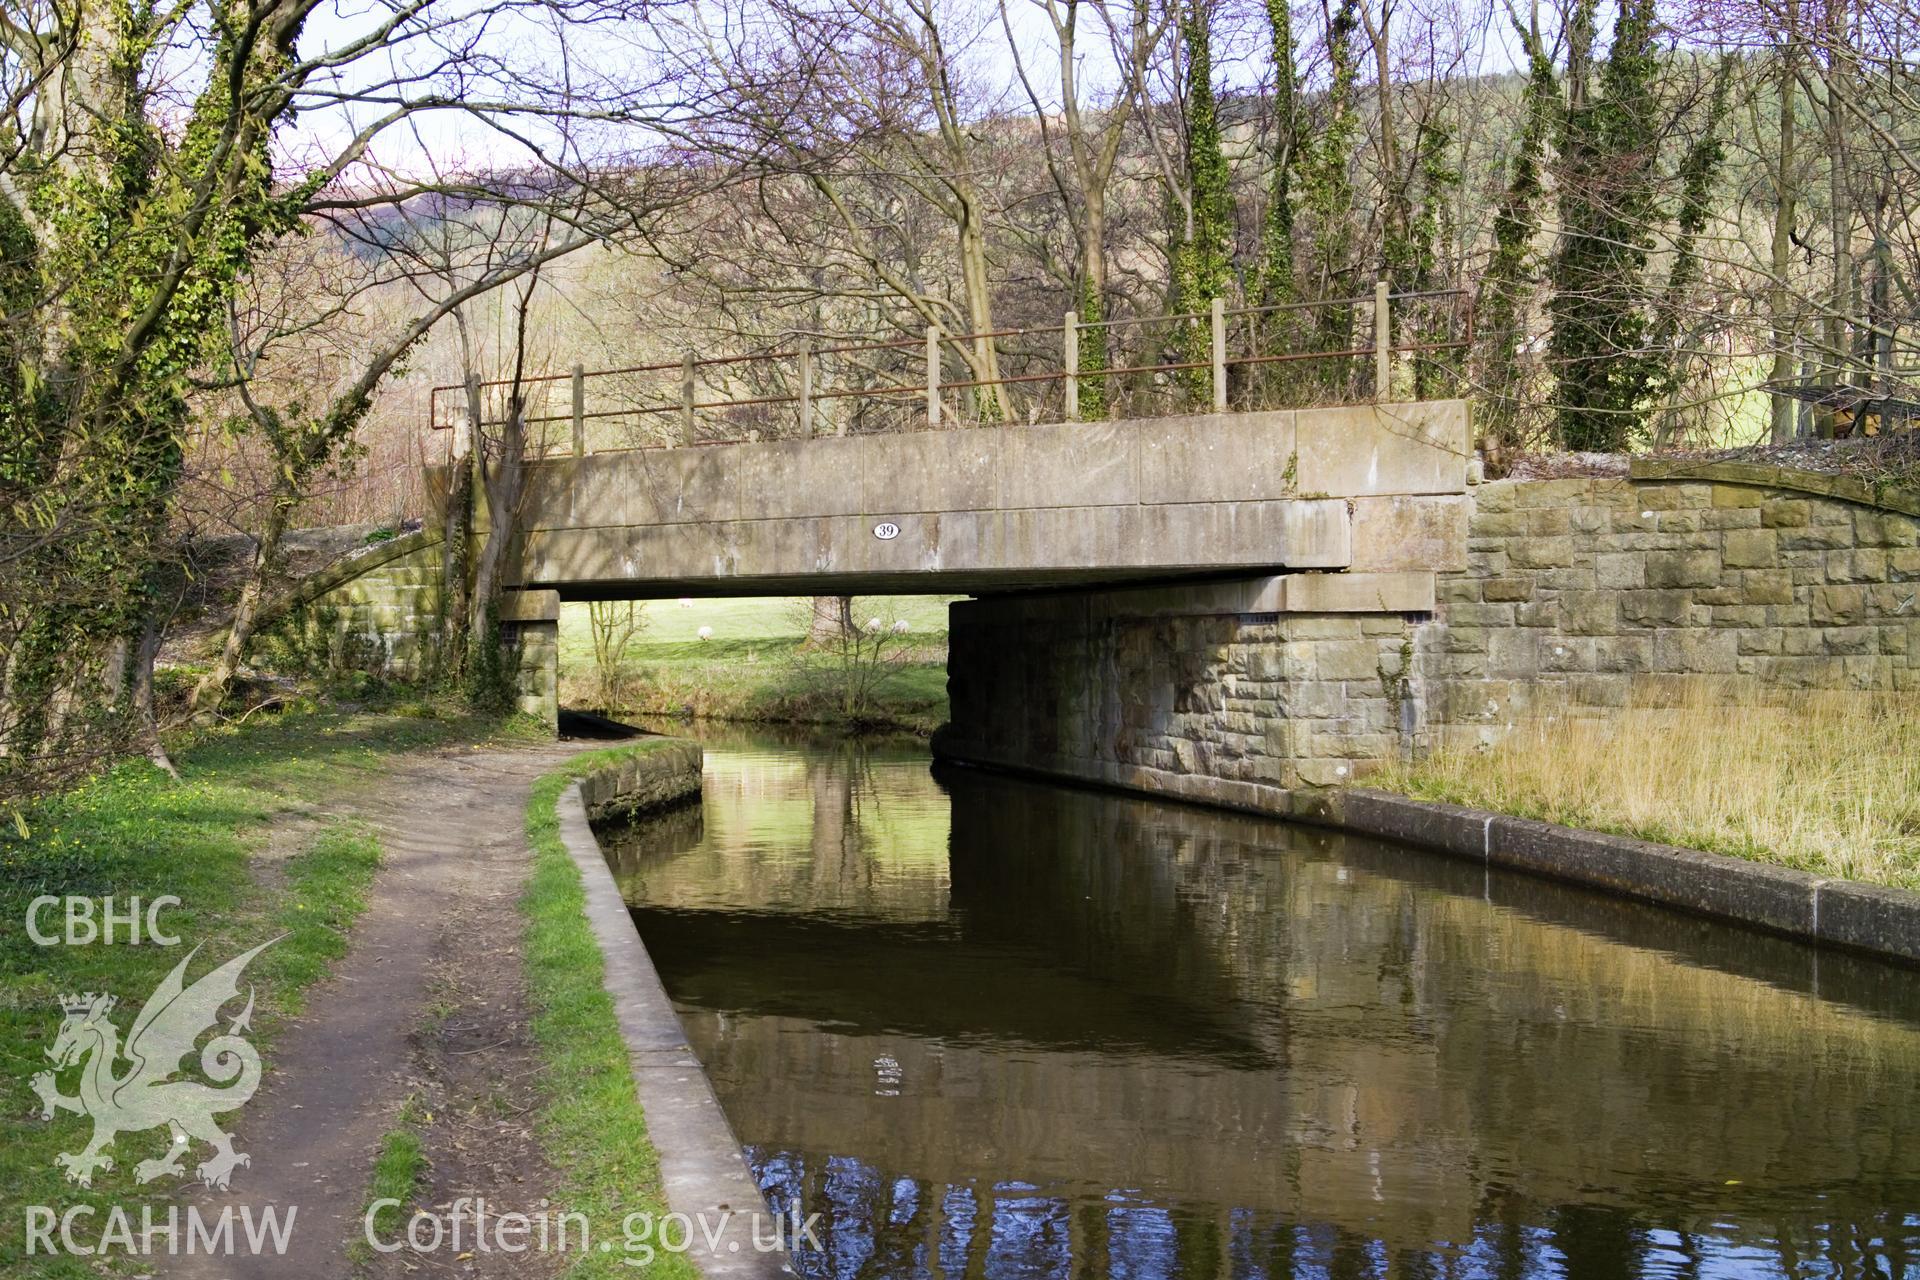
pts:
pixel 1825 781
pixel 591 1124
pixel 399 1172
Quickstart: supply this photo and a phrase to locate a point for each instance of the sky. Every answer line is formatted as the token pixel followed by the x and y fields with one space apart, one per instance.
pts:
pixel 501 39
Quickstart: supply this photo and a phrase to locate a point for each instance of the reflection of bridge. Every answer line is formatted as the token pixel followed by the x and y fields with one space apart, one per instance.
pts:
pixel 1329 1002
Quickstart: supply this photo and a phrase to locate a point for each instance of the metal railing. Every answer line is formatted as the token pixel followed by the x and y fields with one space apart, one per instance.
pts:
pixel 786 394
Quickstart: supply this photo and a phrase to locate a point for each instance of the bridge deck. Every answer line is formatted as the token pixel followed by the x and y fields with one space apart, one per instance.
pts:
pixel 1371 487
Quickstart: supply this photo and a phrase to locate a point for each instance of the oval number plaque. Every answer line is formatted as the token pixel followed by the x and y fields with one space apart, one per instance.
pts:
pixel 886 531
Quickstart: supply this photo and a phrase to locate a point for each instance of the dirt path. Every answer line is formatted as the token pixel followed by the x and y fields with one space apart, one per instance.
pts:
pixel 430 1004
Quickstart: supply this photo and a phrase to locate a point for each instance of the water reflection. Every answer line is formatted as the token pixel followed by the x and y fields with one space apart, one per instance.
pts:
pixel 992 1028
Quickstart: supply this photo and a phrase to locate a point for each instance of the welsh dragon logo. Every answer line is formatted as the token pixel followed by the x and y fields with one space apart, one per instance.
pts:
pixel 144 1095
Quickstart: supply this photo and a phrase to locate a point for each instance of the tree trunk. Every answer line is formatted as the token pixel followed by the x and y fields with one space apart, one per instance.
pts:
pixel 214 686
pixel 146 725
pixel 1785 180
pixel 1276 253
pixel 1840 215
pixel 1397 212
pixel 979 290
pixel 832 618
pixel 1093 303
pixel 501 482
pixel 456 551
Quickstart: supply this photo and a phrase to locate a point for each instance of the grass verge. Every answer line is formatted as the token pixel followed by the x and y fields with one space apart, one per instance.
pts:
pixel 398 1173
pixel 134 833
pixel 592 1124
pixel 1828 782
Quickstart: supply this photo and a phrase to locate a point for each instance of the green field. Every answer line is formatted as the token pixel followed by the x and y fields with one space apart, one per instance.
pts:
pixel 752 665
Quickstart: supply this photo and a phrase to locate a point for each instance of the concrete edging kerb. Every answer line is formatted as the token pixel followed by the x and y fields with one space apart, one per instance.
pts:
pixel 702 1168
pixel 1868 918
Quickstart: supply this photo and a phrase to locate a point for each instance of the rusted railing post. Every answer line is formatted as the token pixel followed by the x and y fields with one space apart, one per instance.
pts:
pixel 1382 343
pixel 806 389
pixel 1070 361
pixel 686 398
pixel 933 375
pixel 579 411
pixel 1219 317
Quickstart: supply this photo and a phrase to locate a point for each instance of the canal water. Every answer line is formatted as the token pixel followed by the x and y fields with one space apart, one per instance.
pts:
pixel 988 1027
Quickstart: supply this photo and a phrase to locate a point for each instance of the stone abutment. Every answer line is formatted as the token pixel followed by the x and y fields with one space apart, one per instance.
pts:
pixel 1555 597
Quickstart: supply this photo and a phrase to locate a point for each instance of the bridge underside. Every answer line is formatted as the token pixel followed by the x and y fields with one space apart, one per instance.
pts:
pixel 873 584
pixel 995 509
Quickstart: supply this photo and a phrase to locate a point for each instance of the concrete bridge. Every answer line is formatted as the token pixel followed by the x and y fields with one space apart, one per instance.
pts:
pixel 1357 490
pixel 1234 608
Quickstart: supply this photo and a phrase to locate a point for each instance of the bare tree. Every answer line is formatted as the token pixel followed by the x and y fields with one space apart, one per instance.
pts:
pixel 304 439
pixel 147 157
pixel 614 626
pixel 1091 133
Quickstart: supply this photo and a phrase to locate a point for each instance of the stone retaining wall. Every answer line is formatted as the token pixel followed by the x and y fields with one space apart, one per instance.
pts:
pixel 1257 701
pixel 530 635
pixel 1577 591
pixel 378 611
pixel 643 780
pixel 381 612
pixel 1554 596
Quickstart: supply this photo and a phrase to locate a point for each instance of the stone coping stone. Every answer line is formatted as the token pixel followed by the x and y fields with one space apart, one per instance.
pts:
pixel 1869 917
pixel 702 1168
pixel 1776 898
pixel 1768 476
pixel 1874 919
pixel 346 570
pixel 643 781
pixel 1462 832
pixel 529 606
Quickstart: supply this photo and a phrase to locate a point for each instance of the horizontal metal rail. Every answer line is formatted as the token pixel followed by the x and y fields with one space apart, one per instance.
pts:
pixel 933 386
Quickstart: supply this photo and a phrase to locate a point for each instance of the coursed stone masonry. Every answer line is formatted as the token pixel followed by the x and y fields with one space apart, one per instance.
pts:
pixel 383 604
pixel 1552 597
pixel 383 609
pixel 1578 591
pixel 1235 707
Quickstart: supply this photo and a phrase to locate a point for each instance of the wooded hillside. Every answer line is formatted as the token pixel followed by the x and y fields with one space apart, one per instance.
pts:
pixel 1618 225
